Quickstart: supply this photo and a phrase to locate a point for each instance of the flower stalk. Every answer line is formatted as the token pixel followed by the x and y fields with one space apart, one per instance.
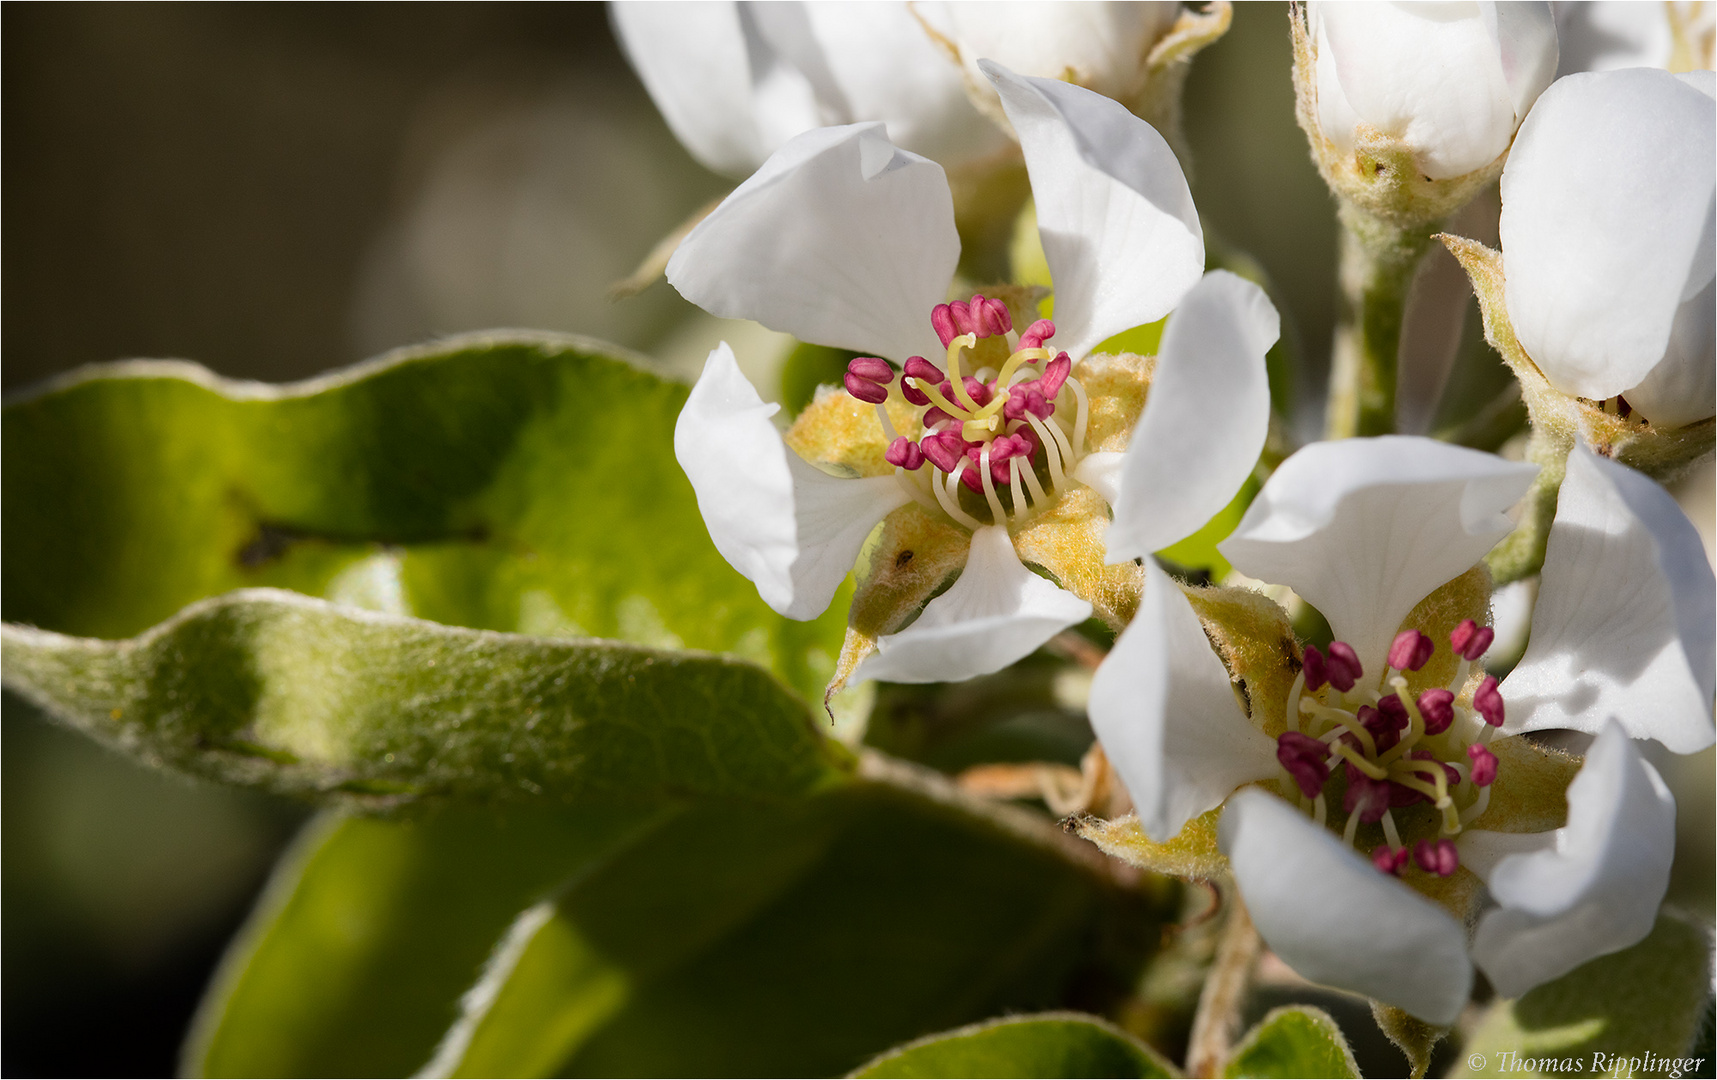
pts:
pixel 1378 260
pixel 1218 1017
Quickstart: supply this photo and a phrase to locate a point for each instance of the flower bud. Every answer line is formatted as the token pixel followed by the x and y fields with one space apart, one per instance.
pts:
pixel 1411 107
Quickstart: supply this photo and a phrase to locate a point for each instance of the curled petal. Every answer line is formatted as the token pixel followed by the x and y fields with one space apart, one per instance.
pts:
pixel 996 613
pixel 839 239
pixel 1327 911
pixel 1607 231
pixel 1165 710
pixel 1205 420
pixel 791 529
pixel 1366 528
pixel 1594 886
pixel 1623 627
pixel 1119 230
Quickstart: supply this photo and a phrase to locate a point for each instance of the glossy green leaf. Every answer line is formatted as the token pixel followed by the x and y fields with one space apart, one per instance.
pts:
pixel 1295 1041
pixel 1644 1000
pixel 797 938
pixel 276 689
pixel 353 962
pixel 798 941
pixel 521 482
pixel 1053 1044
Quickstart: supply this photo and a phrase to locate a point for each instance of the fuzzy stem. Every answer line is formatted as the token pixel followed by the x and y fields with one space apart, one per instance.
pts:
pixel 1521 553
pixel 1218 1017
pixel 1378 259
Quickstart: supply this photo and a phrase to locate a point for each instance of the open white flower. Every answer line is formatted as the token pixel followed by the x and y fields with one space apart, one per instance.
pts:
pixel 842 239
pixel 1607 239
pixel 1365 529
pixel 1448 81
pixel 735 81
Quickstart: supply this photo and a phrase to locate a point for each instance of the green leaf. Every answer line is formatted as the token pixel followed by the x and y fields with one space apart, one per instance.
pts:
pixel 1294 1041
pixel 522 483
pixel 798 938
pixel 1053 1044
pixel 1644 1000
pixel 275 689
pixel 353 962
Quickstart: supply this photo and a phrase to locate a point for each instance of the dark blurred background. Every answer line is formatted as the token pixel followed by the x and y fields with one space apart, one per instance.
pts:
pixel 277 190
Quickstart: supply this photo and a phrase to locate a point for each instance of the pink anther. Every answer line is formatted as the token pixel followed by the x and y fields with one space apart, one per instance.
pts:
pixel 1385 732
pixel 1389 860
pixel 1306 760
pixel 1470 640
pixel 1410 651
pixel 944 449
pixel 1437 857
pixel 1316 673
pixel 1026 398
pixel 934 416
pixel 991 316
pixel 1392 711
pixel 1054 375
pixel 1484 764
pixel 904 453
pixel 1488 701
pixel 919 368
pixel 864 389
pixel 943 320
pixel 1364 796
pixel 1437 706
pixel 1036 334
pixel 873 368
pixel 1341 666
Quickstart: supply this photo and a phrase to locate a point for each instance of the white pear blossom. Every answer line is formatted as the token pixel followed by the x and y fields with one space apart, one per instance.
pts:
pixel 1451 81
pixel 1607 239
pixel 1364 529
pixel 735 81
pixel 843 239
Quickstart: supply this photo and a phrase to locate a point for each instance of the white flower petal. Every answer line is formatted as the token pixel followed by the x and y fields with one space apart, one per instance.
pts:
pixel 1596 888
pixel 1435 76
pixel 1205 420
pixel 996 613
pixel 1682 388
pixel 691 57
pixel 1602 35
pixel 1338 920
pixel 885 67
pixel 792 530
pixel 1164 708
pixel 1119 230
pixel 1103 44
pixel 839 239
pixel 1101 472
pixel 1607 226
pixel 1623 628
pixel 1364 529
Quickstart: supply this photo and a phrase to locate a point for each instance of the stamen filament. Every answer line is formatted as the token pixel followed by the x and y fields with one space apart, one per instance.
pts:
pixel 909 481
pixel 1351 724
pixel 1390 832
pixel 1051 451
pixel 949 497
pixel 888 432
pixel 1031 483
pixel 1080 418
pixel 1347 834
pixel 1478 807
pixel 996 511
pixel 1294 701
pixel 1320 811
pixel 1014 486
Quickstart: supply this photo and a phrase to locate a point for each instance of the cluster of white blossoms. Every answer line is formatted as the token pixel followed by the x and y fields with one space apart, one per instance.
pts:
pixel 998 478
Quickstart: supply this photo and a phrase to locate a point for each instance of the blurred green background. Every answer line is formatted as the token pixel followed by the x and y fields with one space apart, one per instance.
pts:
pixel 278 190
